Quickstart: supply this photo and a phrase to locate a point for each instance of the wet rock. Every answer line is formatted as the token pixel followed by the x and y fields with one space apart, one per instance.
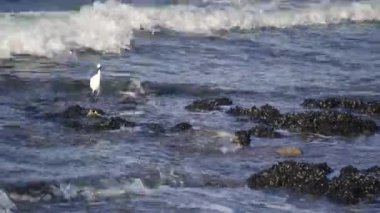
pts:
pixel 352 187
pixel 78 111
pixel 264 132
pixel 92 119
pixel 242 137
pixel 181 127
pixel 375 171
pixel 266 114
pixel 290 151
pixel 154 127
pixel 326 122
pixel 208 104
pixel 301 177
pixel 34 191
pixel 367 107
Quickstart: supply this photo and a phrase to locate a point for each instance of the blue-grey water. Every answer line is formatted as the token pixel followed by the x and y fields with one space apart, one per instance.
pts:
pixel 254 52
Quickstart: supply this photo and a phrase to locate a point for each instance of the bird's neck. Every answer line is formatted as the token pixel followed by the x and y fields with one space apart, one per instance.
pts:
pixel 98 71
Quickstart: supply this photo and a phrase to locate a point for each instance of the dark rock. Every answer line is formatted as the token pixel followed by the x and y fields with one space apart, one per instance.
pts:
pixel 242 138
pixel 349 170
pixel 208 104
pixel 367 107
pixel 264 132
pixel 352 187
pixel 375 171
pixel 34 191
pixel 301 177
pixel 80 118
pixel 326 122
pixel 154 127
pixel 78 111
pixel 181 127
pixel 265 114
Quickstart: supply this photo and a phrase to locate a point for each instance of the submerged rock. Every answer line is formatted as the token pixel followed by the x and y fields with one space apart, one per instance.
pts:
pixel 208 104
pixel 326 122
pixel 242 137
pixel 264 132
pixel 34 191
pixel 290 151
pixel 350 187
pixel 302 177
pixel 92 119
pixel 181 127
pixel 368 107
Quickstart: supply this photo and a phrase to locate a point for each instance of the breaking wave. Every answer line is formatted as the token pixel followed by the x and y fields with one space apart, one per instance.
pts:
pixel 110 26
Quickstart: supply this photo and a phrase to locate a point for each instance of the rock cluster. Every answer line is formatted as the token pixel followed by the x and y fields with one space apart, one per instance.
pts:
pixel 321 122
pixel 350 187
pixel 81 118
pixel 208 104
pixel 367 107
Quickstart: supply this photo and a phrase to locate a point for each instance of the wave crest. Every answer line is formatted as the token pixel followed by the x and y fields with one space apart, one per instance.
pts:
pixel 108 27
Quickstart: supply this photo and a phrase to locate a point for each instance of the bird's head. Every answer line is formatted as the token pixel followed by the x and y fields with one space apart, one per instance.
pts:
pixel 98 66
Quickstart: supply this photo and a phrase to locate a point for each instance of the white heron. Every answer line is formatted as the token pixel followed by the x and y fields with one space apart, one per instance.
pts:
pixel 95 81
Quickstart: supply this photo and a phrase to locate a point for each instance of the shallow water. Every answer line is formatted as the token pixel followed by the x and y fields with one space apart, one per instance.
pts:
pixel 276 52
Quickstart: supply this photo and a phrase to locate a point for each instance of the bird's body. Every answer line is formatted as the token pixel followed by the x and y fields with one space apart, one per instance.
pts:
pixel 95 81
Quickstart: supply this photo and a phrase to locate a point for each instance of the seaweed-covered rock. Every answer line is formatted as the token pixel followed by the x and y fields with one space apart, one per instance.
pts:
pixel 326 122
pixel 80 118
pixel 351 187
pixel 368 107
pixel 264 132
pixel 181 127
pixel 301 177
pixel 242 137
pixel 208 104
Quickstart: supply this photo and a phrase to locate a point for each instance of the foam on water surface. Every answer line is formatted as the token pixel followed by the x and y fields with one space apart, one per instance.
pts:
pixel 109 27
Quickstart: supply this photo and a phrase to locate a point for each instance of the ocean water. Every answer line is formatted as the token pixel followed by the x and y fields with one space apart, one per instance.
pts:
pixel 173 52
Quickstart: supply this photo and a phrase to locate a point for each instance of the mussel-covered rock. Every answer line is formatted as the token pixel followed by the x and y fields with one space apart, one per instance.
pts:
pixel 301 177
pixel 181 127
pixel 242 137
pixel 208 104
pixel 326 122
pixel 264 132
pixel 351 187
pixel 265 114
pixel 91 119
pixel 368 107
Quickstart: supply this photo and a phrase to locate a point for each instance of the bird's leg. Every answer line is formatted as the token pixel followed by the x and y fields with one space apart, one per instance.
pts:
pixel 93 96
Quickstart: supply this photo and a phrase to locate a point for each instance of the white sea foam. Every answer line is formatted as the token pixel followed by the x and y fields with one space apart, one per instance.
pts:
pixel 109 27
pixel 6 205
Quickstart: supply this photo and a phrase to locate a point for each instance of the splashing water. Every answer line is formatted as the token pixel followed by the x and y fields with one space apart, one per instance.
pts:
pixel 109 27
